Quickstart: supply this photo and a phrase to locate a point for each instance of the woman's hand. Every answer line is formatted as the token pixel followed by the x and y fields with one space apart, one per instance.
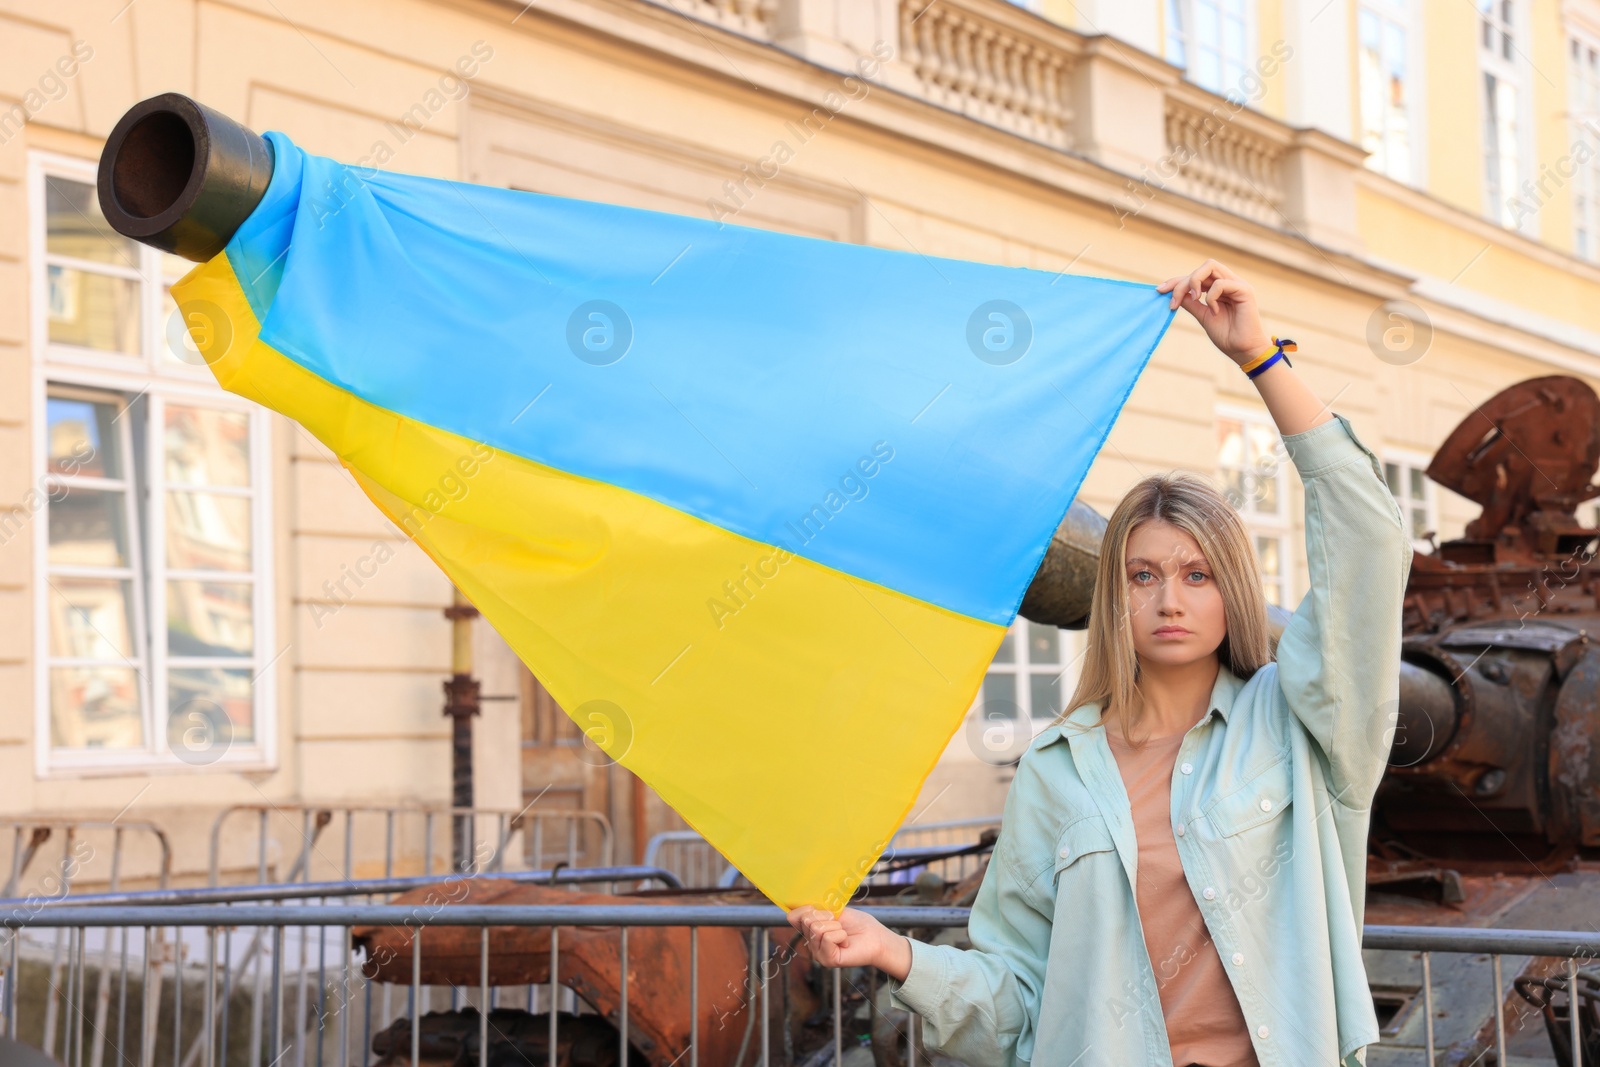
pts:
pixel 1229 314
pixel 853 939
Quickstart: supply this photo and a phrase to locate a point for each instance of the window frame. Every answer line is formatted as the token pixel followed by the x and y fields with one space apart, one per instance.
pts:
pixel 1071 645
pixel 160 381
pixel 1514 70
pixel 1187 34
pixel 1408 459
pixel 1587 180
pixel 1279 526
pixel 1409 16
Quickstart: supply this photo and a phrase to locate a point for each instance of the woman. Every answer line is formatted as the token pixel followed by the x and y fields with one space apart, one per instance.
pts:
pixel 1180 873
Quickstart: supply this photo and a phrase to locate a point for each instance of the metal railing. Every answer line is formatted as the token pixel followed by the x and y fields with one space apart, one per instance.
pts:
pixel 202 1033
pixel 63 995
pixel 92 850
pixel 297 842
pixel 689 856
pixel 1567 945
pixel 692 859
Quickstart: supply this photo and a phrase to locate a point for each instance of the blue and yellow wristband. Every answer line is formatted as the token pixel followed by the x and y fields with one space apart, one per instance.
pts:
pixel 1260 363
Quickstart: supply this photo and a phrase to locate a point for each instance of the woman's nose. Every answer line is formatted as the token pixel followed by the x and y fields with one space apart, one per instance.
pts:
pixel 1170 600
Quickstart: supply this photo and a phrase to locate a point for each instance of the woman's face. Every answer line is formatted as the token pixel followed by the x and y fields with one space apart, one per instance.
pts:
pixel 1174 603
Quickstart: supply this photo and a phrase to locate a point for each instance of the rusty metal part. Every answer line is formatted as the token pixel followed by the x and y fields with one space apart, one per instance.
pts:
pixel 450 1038
pixel 1553 996
pixel 461 705
pixel 589 963
pixel 1527 456
pixel 1063 587
pixel 1414 873
pixel 1431 706
pixel 1574 763
pixel 1479 767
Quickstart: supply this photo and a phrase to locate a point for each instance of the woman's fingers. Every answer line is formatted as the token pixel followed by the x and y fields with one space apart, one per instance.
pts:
pixel 1191 303
pixel 806 913
pixel 1199 279
pixel 1225 287
pixel 1177 286
pixel 1204 275
pixel 825 934
pixel 1191 285
pixel 1186 287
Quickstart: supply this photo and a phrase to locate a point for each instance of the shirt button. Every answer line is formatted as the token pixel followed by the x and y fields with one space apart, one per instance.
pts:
pixel 1261 1031
pixel 1187 768
pixel 1180 829
pixel 1209 893
pixel 1266 805
pixel 1238 958
pixel 1065 853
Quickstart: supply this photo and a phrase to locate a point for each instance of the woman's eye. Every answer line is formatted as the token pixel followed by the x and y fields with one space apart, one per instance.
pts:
pixel 1201 574
pixel 1139 576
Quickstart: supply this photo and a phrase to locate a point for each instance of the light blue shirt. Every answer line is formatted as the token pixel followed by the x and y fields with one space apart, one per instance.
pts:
pixel 1271 798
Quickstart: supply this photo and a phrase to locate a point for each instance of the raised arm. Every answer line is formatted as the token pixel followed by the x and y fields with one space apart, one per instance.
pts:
pixel 1339 657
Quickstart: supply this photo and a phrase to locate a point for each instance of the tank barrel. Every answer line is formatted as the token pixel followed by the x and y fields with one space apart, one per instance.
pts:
pixel 1063 587
pixel 1427 719
pixel 181 177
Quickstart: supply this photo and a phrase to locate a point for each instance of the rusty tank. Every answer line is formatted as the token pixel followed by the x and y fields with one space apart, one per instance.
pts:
pixel 1497 753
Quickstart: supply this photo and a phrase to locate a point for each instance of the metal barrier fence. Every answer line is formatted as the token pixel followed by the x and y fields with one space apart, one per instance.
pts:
pixel 351 1006
pixel 63 996
pixel 692 859
pixel 90 850
pixel 946 834
pixel 284 843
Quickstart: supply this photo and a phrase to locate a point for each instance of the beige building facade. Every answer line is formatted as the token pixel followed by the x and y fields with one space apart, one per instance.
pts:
pixel 200 612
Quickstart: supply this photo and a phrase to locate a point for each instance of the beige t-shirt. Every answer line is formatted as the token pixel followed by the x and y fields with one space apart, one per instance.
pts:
pixel 1204 1023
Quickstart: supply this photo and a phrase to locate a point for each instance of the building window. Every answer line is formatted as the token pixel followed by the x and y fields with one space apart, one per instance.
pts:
pixel 1033 672
pixel 1385 101
pixel 151 525
pixel 1177 54
pixel 1252 471
pixel 1583 88
pixel 1211 41
pixel 1413 490
pixel 1500 80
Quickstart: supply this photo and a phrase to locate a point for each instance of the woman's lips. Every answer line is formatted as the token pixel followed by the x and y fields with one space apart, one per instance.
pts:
pixel 1172 631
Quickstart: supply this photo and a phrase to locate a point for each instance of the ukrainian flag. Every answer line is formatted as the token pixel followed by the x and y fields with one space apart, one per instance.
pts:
pixel 762 504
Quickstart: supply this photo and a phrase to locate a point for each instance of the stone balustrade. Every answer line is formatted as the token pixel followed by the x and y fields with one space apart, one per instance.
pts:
pixel 753 18
pixel 993 63
pixel 1230 159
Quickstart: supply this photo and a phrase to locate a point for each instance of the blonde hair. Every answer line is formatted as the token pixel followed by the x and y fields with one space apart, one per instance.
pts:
pixel 1110 675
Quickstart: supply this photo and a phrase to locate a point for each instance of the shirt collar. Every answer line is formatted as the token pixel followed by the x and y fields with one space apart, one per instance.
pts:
pixel 1088 715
